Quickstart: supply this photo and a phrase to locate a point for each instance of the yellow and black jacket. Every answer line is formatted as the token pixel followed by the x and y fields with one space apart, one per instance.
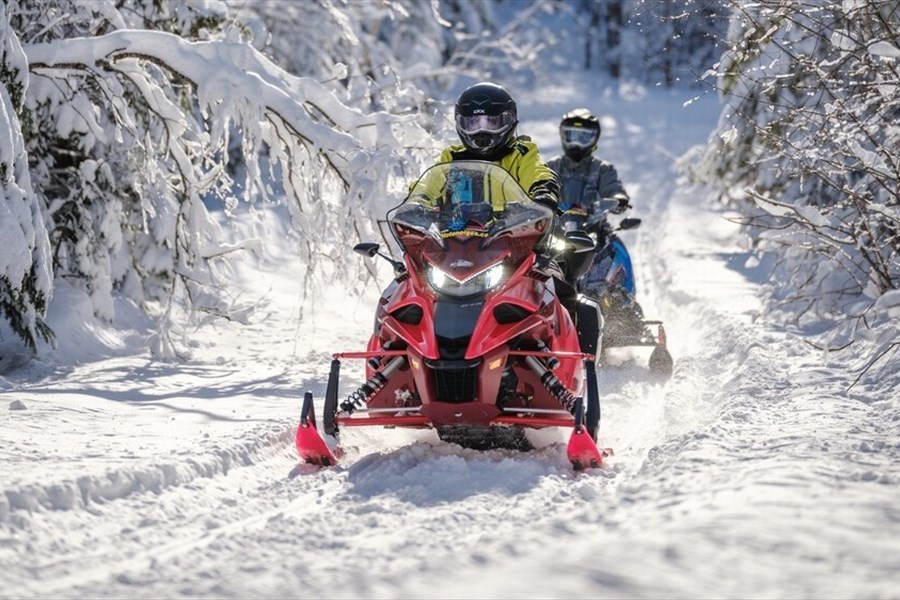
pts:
pixel 524 163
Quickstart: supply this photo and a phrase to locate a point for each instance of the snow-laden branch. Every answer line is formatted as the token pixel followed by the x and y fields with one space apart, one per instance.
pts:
pixel 808 133
pixel 227 74
pixel 165 112
pixel 25 263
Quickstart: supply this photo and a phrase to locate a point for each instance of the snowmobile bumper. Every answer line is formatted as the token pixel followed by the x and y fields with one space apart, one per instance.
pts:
pixel 357 411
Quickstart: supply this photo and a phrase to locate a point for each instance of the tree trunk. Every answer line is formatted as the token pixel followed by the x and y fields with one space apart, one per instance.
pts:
pixel 614 14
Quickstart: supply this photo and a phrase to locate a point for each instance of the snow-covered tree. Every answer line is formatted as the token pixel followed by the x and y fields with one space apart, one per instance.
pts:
pixel 397 55
pixel 25 269
pixel 498 40
pixel 92 151
pixel 127 134
pixel 809 135
pixel 677 40
pixel 365 54
pixel 666 41
pixel 131 118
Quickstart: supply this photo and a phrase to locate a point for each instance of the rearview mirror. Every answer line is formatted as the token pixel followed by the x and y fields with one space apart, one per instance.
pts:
pixel 629 223
pixel 368 249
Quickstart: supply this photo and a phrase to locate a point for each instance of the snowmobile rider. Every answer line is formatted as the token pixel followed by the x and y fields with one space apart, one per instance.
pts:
pixel 486 118
pixel 585 177
pixel 582 175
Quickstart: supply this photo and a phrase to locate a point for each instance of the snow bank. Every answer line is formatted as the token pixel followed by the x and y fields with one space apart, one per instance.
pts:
pixel 81 492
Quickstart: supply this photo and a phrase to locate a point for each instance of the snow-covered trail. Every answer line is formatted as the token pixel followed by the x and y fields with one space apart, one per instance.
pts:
pixel 751 473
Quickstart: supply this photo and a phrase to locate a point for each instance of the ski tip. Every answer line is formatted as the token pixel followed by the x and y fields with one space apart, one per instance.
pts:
pixel 312 448
pixel 583 453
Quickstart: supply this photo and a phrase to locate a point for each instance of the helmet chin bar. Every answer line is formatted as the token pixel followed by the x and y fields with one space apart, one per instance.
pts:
pixel 578 153
pixel 484 141
pixel 488 146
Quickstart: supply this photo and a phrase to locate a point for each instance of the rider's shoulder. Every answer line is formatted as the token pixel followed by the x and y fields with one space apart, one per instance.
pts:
pixel 526 141
pixel 606 168
pixel 449 152
pixel 524 144
pixel 603 163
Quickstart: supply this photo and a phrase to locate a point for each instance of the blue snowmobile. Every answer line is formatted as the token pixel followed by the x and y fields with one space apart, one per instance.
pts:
pixel 607 276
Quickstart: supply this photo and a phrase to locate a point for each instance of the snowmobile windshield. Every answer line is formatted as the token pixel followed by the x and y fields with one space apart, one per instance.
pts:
pixel 466 198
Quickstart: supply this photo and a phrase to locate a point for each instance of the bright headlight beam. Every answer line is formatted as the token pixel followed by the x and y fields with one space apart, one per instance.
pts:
pixel 558 244
pixel 485 271
pixel 494 275
pixel 438 277
pixel 479 282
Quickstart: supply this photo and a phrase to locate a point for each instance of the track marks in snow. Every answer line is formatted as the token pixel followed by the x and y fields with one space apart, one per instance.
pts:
pixel 126 542
pixel 87 490
pixel 418 509
pixel 139 526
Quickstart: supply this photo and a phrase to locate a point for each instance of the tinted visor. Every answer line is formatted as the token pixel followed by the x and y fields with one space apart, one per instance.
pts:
pixel 485 123
pixel 579 136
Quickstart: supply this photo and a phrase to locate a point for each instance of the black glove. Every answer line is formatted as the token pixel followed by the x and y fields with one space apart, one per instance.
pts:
pixel 549 201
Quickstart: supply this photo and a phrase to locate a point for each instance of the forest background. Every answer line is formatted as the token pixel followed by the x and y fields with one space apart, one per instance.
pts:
pixel 130 129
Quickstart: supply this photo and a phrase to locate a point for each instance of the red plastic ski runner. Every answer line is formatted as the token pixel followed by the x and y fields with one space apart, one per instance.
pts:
pixel 583 452
pixel 312 447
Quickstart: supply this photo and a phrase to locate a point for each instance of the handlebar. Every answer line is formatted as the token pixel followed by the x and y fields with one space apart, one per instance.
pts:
pixel 605 205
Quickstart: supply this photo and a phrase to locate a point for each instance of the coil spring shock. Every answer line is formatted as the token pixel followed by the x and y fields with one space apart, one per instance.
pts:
pixel 366 391
pixel 550 381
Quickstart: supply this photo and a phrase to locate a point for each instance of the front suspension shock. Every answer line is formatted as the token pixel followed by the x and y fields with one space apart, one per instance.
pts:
pixel 550 381
pixel 366 391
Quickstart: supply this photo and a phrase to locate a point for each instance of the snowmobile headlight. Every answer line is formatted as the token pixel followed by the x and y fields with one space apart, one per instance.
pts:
pixel 558 244
pixel 478 283
pixel 571 225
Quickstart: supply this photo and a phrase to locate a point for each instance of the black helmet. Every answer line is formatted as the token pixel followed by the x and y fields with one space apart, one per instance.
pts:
pixel 486 119
pixel 579 132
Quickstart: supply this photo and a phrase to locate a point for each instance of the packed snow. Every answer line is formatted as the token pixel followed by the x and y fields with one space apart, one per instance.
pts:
pixel 755 471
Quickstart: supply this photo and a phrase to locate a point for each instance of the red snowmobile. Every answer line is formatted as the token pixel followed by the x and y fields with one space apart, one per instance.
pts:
pixel 470 337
